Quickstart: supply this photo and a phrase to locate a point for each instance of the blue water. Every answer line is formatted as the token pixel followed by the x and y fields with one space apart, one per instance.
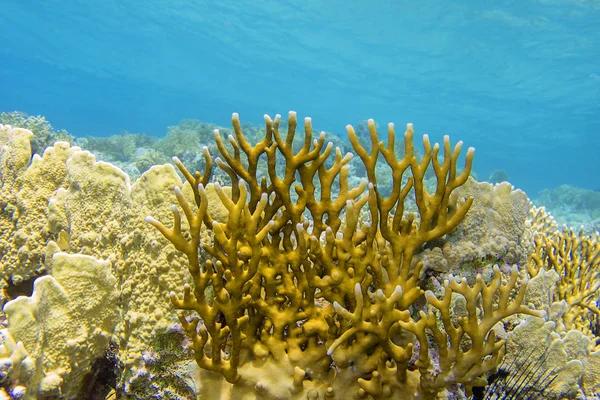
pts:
pixel 519 80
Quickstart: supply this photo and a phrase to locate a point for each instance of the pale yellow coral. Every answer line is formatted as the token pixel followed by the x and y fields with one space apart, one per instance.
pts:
pixel 15 153
pixel 66 201
pixel 101 211
pixel 541 358
pixel 491 232
pixel 27 186
pixel 65 325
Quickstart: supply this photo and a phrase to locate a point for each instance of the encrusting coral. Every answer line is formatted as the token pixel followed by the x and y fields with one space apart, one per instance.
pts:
pixel 564 345
pixel 62 336
pixel 544 357
pixel 492 233
pixel 307 296
pixel 67 201
pixel 44 135
pixel 26 185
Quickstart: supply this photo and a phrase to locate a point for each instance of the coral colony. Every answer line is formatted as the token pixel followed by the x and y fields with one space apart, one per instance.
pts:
pixel 321 289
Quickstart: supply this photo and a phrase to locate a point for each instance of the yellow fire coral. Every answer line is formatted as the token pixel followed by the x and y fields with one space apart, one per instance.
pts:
pixel 314 294
pixel 576 259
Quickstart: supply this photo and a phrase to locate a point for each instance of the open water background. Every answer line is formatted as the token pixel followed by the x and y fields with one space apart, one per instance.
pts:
pixel 518 80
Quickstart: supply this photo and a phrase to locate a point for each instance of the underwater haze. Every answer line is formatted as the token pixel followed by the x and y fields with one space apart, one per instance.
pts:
pixel 518 80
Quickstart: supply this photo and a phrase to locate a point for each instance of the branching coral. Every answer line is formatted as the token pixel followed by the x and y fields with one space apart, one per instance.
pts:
pixel 456 365
pixel 576 259
pixel 312 296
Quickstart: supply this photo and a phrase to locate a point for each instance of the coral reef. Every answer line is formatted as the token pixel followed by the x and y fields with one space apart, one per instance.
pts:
pixel 309 272
pixel 67 201
pixel 132 152
pixel 540 221
pixel 567 361
pixel 498 176
pixel 317 296
pixel 148 159
pixel 168 370
pixel 493 232
pixel 26 186
pixel 576 260
pixel 188 136
pixel 535 338
pixel 566 343
pixel 65 325
pixel 573 206
pixel 122 147
pixel 44 135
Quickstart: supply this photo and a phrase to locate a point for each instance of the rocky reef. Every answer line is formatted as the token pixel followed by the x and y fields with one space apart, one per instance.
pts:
pixel 308 270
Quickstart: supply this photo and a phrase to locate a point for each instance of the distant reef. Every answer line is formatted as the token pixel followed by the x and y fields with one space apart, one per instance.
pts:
pixel 573 206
